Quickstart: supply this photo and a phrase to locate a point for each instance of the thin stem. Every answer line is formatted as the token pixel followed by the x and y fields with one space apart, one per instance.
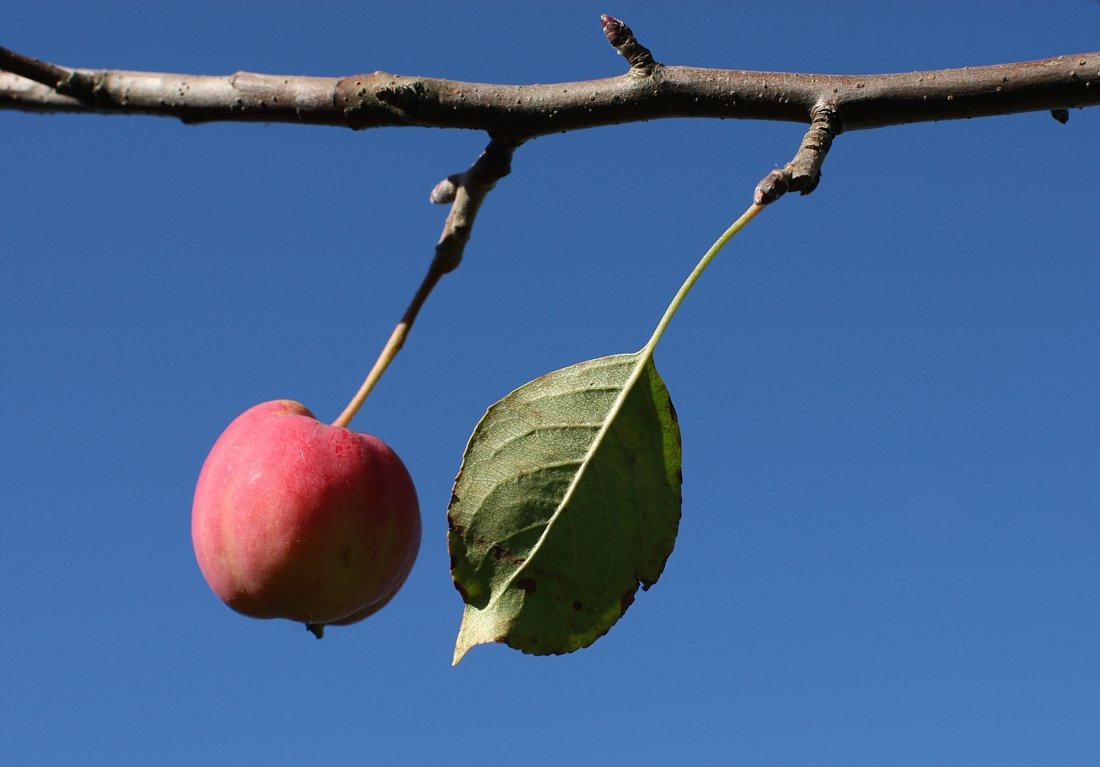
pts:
pixel 704 262
pixel 64 81
pixel 466 191
pixel 393 345
pixel 389 351
pixel 32 69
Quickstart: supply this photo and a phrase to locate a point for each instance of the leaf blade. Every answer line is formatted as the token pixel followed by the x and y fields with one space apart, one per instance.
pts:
pixel 567 501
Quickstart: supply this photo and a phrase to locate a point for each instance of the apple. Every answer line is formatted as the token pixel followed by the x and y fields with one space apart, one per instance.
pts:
pixel 300 520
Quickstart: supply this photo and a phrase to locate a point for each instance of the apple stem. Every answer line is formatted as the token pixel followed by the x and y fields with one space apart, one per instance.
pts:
pixel 389 351
pixel 394 344
pixel 465 191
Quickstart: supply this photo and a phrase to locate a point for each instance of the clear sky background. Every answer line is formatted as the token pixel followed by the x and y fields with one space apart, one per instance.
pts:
pixel 890 547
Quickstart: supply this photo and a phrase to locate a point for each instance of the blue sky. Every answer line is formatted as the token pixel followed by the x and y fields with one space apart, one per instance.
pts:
pixel 887 393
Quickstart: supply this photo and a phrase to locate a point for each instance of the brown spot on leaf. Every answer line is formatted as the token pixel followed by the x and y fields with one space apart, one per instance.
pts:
pixel 577 606
pixel 527 585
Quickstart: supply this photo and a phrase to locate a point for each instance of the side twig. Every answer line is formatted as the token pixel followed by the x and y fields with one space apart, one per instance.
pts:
pixel 66 82
pixel 622 40
pixel 803 172
pixel 465 191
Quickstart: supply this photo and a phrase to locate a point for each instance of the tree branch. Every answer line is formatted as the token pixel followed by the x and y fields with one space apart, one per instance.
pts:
pixel 648 91
pixel 512 114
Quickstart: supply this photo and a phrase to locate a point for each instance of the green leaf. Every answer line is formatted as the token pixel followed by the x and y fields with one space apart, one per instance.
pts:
pixel 568 499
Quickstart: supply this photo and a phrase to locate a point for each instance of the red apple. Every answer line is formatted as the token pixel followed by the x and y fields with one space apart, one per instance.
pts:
pixel 300 520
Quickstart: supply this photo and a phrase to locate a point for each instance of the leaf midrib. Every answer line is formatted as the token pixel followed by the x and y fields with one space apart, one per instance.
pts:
pixel 642 360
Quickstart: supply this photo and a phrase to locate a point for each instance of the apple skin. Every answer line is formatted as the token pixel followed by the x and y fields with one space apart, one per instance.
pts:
pixel 297 519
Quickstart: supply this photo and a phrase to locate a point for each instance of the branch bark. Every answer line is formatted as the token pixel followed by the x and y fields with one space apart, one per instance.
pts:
pixel 648 91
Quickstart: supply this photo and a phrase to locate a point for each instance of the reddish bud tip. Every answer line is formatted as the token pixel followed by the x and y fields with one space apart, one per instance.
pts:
pixel 616 31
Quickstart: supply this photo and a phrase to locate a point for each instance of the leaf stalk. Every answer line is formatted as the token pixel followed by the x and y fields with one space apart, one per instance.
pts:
pixel 689 283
